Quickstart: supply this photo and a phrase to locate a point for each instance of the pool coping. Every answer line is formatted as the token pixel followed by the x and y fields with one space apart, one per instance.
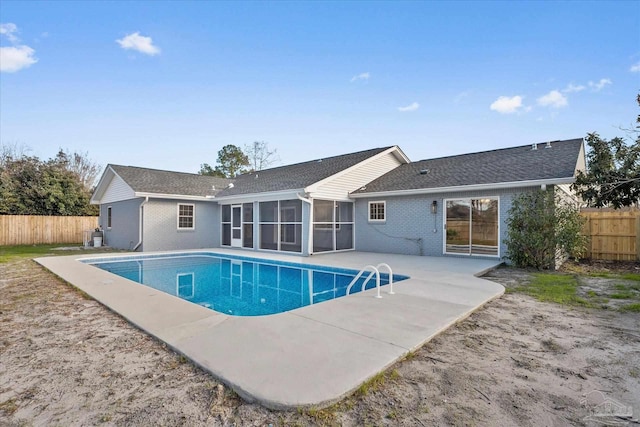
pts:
pixel 311 356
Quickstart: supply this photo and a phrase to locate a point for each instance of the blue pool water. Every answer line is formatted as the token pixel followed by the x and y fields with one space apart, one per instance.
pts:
pixel 239 286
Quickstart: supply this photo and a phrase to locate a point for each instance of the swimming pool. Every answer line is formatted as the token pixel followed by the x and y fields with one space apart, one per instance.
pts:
pixel 235 285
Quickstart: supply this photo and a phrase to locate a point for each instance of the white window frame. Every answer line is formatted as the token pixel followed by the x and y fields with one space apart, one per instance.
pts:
pixel 193 216
pixel 277 229
pixel 334 225
pixel 190 287
pixel 109 217
pixel 384 210
pixel 284 236
pixel 444 222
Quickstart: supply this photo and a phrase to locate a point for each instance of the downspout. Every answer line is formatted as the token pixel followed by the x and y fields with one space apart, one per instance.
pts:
pixel 310 234
pixel 144 202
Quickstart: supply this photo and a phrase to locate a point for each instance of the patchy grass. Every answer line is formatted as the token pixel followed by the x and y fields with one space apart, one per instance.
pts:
pixel 632 308
pixel 373 384
pixel 558 288
pixel 324 417
pixel 8 253
pixel 634 277
pixel 623 295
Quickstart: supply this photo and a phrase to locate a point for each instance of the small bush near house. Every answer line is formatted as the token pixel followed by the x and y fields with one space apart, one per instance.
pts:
pixel 538 225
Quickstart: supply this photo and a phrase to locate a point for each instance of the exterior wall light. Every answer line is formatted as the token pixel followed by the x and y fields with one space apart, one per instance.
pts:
pixel 434 207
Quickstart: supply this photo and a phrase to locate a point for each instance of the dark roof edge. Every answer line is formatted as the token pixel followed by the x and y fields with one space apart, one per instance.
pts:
pixel 459 188
pixel 318 159
pixel 499 149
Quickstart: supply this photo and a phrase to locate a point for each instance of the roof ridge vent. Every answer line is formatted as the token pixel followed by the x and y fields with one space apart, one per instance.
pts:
pixel 548 144
pixel 534 146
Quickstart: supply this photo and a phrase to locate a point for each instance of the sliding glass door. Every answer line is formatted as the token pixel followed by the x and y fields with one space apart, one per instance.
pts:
pixel 472 226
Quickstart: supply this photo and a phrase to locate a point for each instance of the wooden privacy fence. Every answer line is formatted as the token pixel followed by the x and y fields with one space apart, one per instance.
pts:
pixel 613 235
pixel 33 230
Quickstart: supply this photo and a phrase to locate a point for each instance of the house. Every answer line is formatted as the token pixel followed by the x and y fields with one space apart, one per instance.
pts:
pixel 374 200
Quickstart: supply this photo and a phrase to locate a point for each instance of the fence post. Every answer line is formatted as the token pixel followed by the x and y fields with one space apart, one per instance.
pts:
pixel 638 237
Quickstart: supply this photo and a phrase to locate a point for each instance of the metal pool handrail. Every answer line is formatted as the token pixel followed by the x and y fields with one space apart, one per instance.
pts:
pixel 364 269
pixel 384 264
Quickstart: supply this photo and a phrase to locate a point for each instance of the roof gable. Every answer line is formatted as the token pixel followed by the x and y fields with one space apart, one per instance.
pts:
pixel 297 176
pixel 159 183
pixel 507 165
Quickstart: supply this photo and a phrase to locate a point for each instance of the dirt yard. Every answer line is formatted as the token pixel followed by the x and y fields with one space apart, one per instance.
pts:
pixel 66 360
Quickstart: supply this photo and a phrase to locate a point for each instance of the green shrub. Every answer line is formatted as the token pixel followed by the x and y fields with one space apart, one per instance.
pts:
pixel 538 225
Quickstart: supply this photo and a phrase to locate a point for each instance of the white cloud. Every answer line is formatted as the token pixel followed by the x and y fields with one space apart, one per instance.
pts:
pixel 553 99
pixel 507 105
pixel 14 58
pixel 635 68
pixel 573 88
pixel 8 30
pixel 140 43
pixel 598 86
pixel 411 107
pixel 361 76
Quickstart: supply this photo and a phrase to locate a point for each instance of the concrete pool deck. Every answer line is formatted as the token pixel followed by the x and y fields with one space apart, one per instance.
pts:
pixel 311 356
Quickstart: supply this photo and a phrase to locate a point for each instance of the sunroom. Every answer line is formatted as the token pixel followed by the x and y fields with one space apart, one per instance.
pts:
pixel 303 226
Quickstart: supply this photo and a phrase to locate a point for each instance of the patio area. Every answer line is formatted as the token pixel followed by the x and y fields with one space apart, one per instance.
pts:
pixel 311 356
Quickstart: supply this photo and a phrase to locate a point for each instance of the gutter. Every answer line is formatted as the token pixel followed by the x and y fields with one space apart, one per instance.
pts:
pixel 171 196
pixel 474 187
pixel 144 202
pixel 302 198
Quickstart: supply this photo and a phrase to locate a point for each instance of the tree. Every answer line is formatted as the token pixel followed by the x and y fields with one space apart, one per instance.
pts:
pixel 260 156
pixel 539 224
pixel 231 161
pixel 206 169
pixel 613 171
pixel 30 186
pixel 81 165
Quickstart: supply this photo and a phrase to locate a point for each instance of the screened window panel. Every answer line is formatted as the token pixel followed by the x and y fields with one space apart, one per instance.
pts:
pixel 323 210
pixel 226 213
pixel 344 212
pixel 344 237
pixel 268 211
pixel 322 237
pixel 291 237
pixel 247 238
pixel 236 214
pixel 226 234
pixel 291 211
pixel 269 236
pixel 247 212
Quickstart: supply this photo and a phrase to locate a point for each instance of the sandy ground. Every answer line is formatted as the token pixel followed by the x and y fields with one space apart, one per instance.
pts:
pixel 66 360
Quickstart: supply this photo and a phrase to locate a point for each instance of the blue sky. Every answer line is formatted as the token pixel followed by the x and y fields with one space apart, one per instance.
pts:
pixel 166 85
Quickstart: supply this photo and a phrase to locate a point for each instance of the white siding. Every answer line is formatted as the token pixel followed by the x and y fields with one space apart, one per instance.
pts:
pixel 116 191
pixel 566 194
pixel 339 187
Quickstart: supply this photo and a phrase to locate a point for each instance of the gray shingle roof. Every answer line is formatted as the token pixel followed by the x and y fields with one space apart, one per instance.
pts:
pixel 487 167
pixel 299 175
pixel 166 182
